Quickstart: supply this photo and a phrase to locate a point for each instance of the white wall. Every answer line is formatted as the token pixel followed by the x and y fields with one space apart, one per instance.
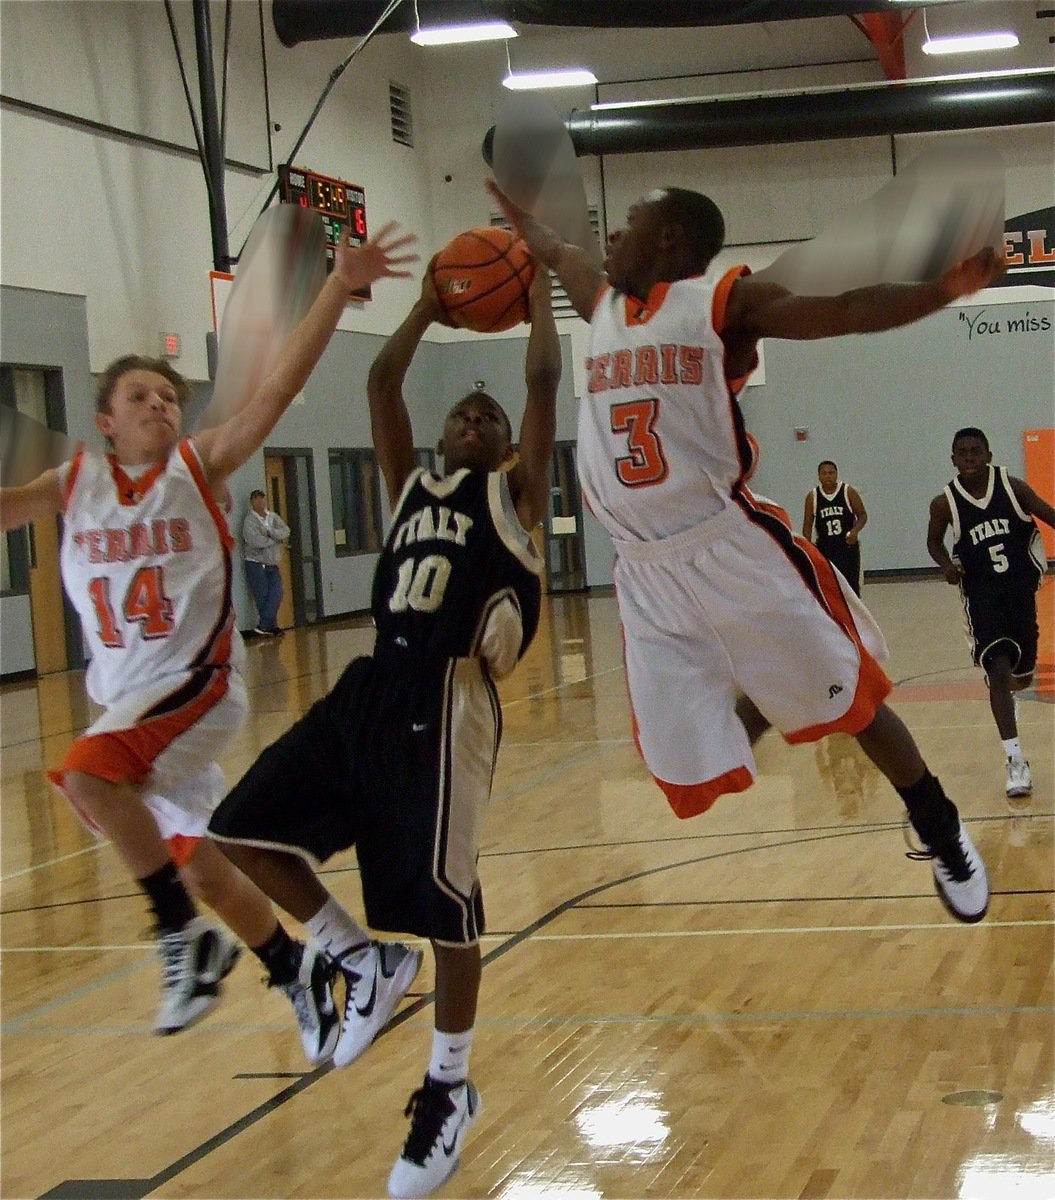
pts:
pixel 119 216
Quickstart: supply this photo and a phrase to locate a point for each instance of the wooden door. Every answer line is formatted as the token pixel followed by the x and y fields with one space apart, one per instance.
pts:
pixel 275 476
pixel 45 597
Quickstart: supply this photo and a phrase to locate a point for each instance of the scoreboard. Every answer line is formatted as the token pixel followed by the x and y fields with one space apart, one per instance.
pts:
pixel 342 206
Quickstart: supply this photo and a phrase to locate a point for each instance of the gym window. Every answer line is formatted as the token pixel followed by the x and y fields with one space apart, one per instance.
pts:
pixel 355 492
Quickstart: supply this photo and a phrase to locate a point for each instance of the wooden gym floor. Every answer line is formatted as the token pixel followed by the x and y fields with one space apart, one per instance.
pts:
pixel 766 1001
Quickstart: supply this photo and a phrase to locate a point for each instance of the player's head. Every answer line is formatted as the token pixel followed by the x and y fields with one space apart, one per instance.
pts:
pixel 970 452
pixel 827 474
pixel 139 407
pixel 672 233
pixel 476 433
pixel 258 501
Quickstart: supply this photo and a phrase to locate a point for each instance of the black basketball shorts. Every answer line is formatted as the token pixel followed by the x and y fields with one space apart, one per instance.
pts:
pixel 396 761
pixel 1003 622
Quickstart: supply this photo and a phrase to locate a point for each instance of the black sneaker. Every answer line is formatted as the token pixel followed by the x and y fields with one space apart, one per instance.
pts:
pixel 441 1115
pixel 312 998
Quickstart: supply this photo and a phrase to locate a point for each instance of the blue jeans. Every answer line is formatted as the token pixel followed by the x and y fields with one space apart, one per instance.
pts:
pixel 265 583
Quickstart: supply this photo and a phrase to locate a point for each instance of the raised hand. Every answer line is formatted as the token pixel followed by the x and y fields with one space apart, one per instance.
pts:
pixel 359 266
pixel 973 274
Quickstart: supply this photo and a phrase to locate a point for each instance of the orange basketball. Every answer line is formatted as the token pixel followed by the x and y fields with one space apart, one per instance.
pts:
pixel 482 278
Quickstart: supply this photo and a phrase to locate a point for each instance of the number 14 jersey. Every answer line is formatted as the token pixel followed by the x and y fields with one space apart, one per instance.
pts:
pixel 146 562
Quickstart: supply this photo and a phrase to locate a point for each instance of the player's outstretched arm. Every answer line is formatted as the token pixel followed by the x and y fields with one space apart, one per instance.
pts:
pixel 229 445
pixel 760 309
pixel 530 478
pixel 389 419
pixel 939 522
pixel 581 278
pixel 42 497
pixel 1035 505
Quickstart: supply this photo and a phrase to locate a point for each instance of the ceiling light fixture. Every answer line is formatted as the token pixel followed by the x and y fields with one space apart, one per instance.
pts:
pixel 529 81
pixel 965 43
pixel 450 35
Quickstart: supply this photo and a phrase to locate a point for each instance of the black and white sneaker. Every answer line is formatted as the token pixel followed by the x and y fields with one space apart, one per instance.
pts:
pixel 960 877
pixel 192 965
pixel 311 995
pixel 376 978
pixel 441 1115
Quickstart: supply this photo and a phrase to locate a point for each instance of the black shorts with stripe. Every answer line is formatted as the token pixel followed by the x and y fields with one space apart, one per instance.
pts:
pixel 1003 621
pixel 397 761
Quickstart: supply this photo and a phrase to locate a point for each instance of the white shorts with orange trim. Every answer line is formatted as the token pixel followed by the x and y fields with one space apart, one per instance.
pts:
pixel 739 604
pixel 165 738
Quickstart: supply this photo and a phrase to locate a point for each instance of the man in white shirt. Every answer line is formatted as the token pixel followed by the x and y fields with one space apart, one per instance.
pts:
pixel 263 534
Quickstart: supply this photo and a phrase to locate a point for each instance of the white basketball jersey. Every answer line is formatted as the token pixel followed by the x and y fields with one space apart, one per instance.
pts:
pixel 147 564
pixel 661 439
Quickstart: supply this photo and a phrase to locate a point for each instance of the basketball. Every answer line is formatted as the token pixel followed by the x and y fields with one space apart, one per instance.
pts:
pixel 482 278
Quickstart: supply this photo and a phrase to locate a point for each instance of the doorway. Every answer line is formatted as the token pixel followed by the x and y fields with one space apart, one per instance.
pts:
pixel 36 394
pixel 565 549
pixel 289 476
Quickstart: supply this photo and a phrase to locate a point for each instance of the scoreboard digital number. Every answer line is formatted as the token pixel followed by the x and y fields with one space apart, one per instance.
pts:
pixel 342 206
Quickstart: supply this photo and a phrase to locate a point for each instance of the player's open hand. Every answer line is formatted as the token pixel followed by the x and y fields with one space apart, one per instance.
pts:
pixel 973 274
pixel 376 258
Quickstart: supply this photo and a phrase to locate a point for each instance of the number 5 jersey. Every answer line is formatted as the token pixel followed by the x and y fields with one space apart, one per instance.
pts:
pixel 146 562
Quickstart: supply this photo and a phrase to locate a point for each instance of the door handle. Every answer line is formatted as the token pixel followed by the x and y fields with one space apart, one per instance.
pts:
pixel 32 547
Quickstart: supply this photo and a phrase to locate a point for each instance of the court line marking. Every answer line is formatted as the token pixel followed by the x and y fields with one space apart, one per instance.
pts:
pixel 749 931
pixel 52 861
pixel 761 1017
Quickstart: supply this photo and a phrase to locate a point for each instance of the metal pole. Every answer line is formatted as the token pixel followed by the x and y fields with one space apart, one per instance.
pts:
pixel 213 163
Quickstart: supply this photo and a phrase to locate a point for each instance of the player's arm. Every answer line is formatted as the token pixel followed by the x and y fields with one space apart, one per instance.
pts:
pixel 939 522
pixel 389 419
pixel 40 498
pixel 226 447
pixel 807 517
pixel 580 276
pixel 857 507
pixel 1035 505
pixel 529 480
pixel 759 309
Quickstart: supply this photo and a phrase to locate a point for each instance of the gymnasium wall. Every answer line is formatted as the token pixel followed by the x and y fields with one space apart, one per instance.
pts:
pixel 103 198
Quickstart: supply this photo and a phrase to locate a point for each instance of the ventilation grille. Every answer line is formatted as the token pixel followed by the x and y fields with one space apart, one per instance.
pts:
pixel 562 306
pixel 402 119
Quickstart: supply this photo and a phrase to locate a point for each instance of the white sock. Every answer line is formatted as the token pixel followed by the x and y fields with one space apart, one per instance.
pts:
pixel 336 931
pixel 1013 748
pixel 450 1056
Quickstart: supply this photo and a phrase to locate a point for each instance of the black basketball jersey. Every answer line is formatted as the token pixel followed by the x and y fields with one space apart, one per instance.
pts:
pixel 458 576
pixel 833 518
pixel 996 542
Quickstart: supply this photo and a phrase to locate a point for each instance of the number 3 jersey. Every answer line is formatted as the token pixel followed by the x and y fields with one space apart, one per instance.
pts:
pixel 147 564
pixel 996 542
pixel 661 439
pixel 458 576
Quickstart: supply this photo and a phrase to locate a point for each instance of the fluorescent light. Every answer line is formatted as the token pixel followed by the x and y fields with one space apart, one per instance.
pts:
pixel 529 81
pixel 449 35
pixel 965 43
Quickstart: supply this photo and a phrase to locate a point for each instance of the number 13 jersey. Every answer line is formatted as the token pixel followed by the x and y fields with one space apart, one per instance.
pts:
pixel 661 439
pixel 146 562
